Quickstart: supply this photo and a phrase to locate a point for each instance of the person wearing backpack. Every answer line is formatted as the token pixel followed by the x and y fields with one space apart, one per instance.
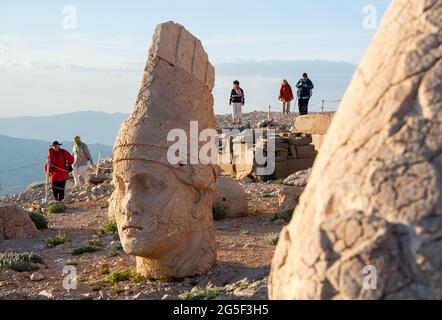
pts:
pixel 305 87
pixel 57 167
pixel 81 155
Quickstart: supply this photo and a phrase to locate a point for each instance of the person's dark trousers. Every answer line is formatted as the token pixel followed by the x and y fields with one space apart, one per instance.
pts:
pixel 303 106
pixel 58 189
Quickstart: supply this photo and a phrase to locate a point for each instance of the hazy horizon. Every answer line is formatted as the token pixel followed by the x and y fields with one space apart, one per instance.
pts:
pixel 260 81
pixel 46 68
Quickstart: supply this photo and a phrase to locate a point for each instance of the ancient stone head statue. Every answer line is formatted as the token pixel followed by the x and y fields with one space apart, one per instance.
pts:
pixel 164 210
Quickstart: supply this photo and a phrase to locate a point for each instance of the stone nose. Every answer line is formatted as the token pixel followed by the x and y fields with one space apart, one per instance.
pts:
pixel 130 205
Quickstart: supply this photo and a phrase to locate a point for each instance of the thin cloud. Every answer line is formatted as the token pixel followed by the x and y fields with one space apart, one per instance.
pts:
pixel 4 58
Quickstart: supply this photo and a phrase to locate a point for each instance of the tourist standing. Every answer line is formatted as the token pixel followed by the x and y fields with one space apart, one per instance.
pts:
pixel 285 96
pixel 58 166
pixel 237 101
pixel 305 87
pixel 82 156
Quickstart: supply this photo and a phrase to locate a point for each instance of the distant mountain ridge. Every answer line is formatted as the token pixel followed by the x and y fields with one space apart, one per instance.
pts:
pixel 29 156
pixel 91 126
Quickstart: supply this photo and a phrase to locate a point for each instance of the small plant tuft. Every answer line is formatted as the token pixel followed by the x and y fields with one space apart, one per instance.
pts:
pixel 114 254
pixel 202 294
pixel 279 181
pixel 72 263
pixel 104 270
pixel 19 262
pixel 81 250
pixel 272 239
pixel 96 242
pixel 39 220
pixel 35 185
pixel 109 227
pixel 243 285
pixel 124 275
pixel 56 207
pixel 218 213
pixel 56 240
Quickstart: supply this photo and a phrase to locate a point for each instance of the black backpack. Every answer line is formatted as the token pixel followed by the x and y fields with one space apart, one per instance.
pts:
pixel 66 163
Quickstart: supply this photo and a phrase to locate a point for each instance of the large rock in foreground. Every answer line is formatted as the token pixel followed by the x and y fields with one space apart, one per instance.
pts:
pixel 15 223
pixel 368 225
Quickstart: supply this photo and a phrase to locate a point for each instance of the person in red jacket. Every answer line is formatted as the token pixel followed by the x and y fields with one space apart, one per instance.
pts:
pixel 286 96
pixel 59 161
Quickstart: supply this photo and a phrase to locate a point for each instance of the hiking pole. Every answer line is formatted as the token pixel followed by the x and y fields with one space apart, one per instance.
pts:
pixel 269 113
pixel 98 162
pixel 45 200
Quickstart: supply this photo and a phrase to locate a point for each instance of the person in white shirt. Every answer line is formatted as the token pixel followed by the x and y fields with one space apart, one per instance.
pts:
pixel 81 156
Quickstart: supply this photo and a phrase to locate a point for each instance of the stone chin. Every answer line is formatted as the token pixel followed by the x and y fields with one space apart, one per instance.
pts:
pixel 151 245
pixel 138 247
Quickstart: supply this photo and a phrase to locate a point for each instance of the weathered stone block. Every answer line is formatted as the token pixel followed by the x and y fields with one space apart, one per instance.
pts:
pixel 306 151
pixel 313 123
pixel 300 140
pixel 295 165
pixel 281 170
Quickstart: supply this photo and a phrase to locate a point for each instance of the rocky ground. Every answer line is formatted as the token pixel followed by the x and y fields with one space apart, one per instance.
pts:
pixel 245 249
pixel 244 255
pixel 253 119
pixel 245 245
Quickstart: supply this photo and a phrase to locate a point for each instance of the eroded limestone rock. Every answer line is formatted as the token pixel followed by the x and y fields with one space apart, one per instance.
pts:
pixel 374 201
pixel 15 223
pixel 289 193
pixel 313 123
pixel 230 197
pixel 164 210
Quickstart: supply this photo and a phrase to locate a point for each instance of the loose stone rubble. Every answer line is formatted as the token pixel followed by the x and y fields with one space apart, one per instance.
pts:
pixel 238 154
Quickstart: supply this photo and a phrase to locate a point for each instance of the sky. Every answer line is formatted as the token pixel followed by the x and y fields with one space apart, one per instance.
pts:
pixel 58 57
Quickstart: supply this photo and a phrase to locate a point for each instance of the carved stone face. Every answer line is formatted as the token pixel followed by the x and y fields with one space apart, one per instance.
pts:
pixel 153 208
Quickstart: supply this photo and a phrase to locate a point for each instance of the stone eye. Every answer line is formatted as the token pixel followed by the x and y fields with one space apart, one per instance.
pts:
pixel 150 184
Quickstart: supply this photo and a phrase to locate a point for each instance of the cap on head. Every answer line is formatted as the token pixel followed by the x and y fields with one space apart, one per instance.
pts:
pixel 77 138
pixel 56 143
pixel 305 75
pixel 236 82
